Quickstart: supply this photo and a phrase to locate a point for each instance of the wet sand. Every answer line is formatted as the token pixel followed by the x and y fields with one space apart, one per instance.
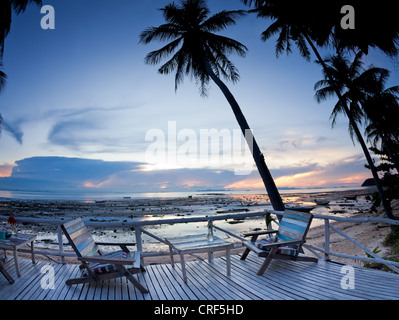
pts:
pixel 342 203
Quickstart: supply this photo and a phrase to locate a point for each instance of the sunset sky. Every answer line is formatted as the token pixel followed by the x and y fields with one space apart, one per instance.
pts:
pixel 82 110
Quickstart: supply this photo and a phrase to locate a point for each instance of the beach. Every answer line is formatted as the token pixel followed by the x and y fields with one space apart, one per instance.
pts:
pixel 350 203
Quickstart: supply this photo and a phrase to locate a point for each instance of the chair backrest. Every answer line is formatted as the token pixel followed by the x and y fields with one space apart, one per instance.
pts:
pixel 294 225
pixel 79 237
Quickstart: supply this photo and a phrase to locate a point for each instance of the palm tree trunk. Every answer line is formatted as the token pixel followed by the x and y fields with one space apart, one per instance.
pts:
pixel 385 201
pixel 264 172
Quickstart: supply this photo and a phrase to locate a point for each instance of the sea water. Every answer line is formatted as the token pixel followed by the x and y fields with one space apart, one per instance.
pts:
pixel 68 195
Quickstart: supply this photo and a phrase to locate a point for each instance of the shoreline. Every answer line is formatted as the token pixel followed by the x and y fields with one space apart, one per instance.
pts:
pixel 353 203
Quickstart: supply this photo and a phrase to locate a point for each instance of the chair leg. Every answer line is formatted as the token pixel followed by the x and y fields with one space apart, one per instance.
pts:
pixel 6 274
pixel 133 280
pixel 245 254
pixel 247 251
pixel 267 261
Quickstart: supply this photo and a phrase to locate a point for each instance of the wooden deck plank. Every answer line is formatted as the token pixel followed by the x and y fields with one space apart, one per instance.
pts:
pixel 267 287
pixel 11 292
pixel 249 283
pixel 204 283
pixel 182 295
pixel 331 280
pixel 303 284
pixel 239 284
pixel 226 287
pixel 192 291
pixel 208 281
pixel 168 290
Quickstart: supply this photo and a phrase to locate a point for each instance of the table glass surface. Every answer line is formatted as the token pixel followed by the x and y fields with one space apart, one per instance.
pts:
pixel 16 240
pixel 197 241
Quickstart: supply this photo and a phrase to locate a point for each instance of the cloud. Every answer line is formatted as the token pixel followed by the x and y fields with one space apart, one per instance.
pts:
pixel 14 130
pixel 60 174
pixel 73 133
pixel 80 175
pixel 344 172
pixel 96 130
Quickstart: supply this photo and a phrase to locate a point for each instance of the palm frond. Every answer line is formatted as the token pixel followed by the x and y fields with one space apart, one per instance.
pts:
pixel 156 56
pixel 192 40
pixel 20 5
pixel 3 78
pixel 221 20
pixel 164 32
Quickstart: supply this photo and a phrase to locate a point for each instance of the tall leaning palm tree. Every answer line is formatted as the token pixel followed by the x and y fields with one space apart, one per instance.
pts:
pixel 197 50
pixel 317 24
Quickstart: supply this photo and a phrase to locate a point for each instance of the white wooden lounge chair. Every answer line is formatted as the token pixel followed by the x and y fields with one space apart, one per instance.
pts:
pixel 286 244
pixel 98 266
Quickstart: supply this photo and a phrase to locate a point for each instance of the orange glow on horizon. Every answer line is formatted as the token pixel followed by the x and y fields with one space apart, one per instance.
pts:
pixel 312 179
pixel 92 185
pixel 251 183
pixel 354 179
pixel 6 170
pixel 300 180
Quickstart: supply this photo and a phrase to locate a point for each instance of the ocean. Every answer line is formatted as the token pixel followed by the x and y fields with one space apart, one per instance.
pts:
pixel 93 196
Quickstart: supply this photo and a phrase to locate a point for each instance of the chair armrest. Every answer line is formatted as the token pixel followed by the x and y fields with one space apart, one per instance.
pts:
pixel 99 259
pixel 259 233
pixel 283 243
pixel 252 247
pixel 123 246
pixel 115 244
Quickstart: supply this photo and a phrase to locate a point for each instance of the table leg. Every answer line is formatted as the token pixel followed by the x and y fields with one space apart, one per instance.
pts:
pixel 183 267
pixel 16 262
pixel 228 261
pixel 210 256
pixel 172 260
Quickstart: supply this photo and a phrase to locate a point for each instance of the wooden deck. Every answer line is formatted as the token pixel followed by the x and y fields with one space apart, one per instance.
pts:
pixel 283 280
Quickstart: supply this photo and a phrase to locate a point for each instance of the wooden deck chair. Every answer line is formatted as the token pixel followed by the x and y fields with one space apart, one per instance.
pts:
pixel 3 269
pixel 98 266
pixel 286 244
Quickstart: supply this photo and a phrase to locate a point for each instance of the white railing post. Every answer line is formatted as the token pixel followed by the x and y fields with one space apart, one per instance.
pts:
pixel 139 244
pixel 61 245
pixel 327 238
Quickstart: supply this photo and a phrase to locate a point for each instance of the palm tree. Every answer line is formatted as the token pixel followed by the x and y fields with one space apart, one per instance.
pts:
pixel 382 110
pixel 317 23
pixel 198 51
pixel 369 102
pixel 6 9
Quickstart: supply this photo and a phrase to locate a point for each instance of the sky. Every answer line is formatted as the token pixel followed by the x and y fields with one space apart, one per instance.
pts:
pixel 83 111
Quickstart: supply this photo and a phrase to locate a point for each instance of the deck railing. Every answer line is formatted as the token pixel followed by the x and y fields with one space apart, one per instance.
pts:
pixel 137 226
